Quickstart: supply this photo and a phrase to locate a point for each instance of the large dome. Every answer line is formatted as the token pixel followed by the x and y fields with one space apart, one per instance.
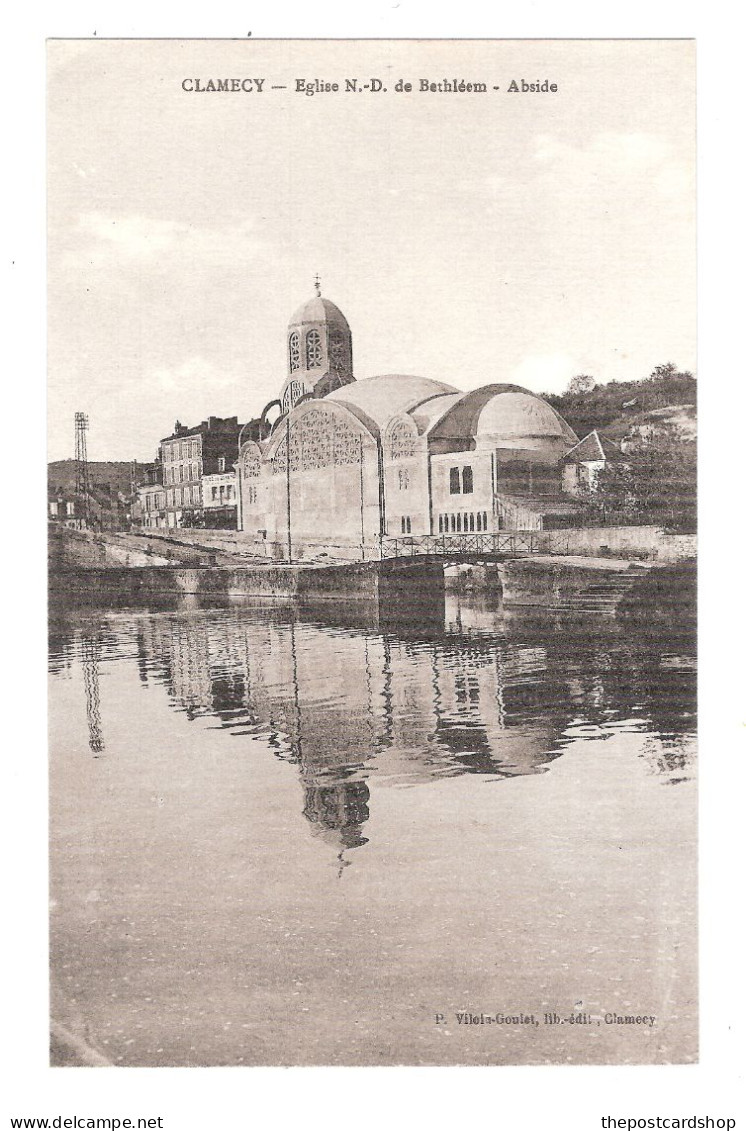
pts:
pixel 319 310
pixel 380 398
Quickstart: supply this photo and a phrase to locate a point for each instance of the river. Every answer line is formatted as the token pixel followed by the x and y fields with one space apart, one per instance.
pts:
pixel 277 839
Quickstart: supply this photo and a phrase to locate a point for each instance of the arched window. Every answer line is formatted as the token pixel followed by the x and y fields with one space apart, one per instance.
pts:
pixel 471 522
pixel 313 349
pixel 458 522
pixel 292 395
pixel 294 351
pixel 455 479
pixel 479 520
pixel 468 480
pixel 338 351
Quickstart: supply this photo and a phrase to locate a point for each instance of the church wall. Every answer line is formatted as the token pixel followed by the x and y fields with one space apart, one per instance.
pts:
pixel 406 479
pixel 407 495
pixel 463 505
pixel 332 485
pixel 331 504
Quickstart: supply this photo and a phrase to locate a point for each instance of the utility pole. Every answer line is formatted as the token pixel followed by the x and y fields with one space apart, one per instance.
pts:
pixel 81 466
pixel 362 500
pixel 287 486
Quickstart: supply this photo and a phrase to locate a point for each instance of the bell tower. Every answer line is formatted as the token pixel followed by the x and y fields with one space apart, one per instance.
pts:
pixel 319 351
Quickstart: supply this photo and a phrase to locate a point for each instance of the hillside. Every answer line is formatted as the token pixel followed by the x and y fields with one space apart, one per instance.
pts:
pixel 614 406
pixel 107 479
pixel 110 488
pixel 680 419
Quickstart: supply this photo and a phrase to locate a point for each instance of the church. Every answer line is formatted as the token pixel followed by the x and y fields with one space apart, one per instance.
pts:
pixel 346 465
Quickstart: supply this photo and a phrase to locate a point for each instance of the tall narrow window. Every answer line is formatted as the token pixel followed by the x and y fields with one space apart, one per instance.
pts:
pixel 338 351
pixel 458 522
pixel 313 349
pixel 294 351
pixel 471 522
pixel 479 520
pixel 455 481
pixel 403 525
pixel 468 479
pixel 440 524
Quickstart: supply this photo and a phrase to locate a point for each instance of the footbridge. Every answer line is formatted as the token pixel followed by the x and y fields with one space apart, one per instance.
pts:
pixel 500 546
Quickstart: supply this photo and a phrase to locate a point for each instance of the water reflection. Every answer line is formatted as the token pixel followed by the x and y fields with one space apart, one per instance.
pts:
pixel 482 694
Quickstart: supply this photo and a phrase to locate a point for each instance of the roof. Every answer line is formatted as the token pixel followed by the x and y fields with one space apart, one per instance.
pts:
pixel 594 446
pixel 502 411
pixel 427 415
pixel 381 398
pixel 319 310
pixel 223 424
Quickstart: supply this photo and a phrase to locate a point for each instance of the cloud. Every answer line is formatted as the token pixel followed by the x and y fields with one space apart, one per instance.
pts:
pixel 617 159
pixel 107 240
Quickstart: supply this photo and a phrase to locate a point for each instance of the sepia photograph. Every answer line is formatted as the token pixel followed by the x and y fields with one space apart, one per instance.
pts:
pixel 372 551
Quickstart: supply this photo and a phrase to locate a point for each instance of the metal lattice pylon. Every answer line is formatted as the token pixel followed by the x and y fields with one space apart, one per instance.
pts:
pixel 81 466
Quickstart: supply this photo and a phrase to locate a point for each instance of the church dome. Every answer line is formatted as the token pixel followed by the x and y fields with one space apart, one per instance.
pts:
pixel 319 310
pixel 503 412
pixel 319 351
pixel 381 398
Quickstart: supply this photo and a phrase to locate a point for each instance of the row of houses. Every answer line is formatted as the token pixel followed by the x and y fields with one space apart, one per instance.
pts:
pixel 192 482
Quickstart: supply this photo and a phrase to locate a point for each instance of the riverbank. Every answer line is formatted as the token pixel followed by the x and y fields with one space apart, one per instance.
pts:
pixel 123 568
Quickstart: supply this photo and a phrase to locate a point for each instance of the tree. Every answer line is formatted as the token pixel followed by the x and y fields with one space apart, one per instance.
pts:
pixel 583 383
pixel 655 482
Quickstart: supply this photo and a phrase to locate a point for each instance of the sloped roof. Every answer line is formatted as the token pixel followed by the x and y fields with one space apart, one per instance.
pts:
pixel 594 446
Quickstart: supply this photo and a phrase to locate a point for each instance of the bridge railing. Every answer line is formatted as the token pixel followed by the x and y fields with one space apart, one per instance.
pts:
pixel 451 545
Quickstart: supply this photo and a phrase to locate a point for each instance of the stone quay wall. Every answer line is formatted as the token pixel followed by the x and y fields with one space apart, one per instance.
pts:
pixel 649 543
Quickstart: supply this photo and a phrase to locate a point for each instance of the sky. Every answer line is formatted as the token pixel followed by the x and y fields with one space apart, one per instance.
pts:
pixel 467 237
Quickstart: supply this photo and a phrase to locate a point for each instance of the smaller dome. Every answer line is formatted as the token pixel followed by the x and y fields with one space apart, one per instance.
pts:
pixel 318 310
pixel 521 414
pixel 503 412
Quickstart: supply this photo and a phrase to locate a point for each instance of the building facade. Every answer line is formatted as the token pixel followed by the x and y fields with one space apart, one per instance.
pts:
pixel 186 456
pixel 350 463
pixel 586 461
pixel 150 510
pixel 219 500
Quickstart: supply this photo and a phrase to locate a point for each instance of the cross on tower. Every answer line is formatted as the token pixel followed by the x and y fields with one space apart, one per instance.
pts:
pixel 317 284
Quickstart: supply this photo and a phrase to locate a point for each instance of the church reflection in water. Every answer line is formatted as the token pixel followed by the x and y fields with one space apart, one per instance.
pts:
pixel 350 706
